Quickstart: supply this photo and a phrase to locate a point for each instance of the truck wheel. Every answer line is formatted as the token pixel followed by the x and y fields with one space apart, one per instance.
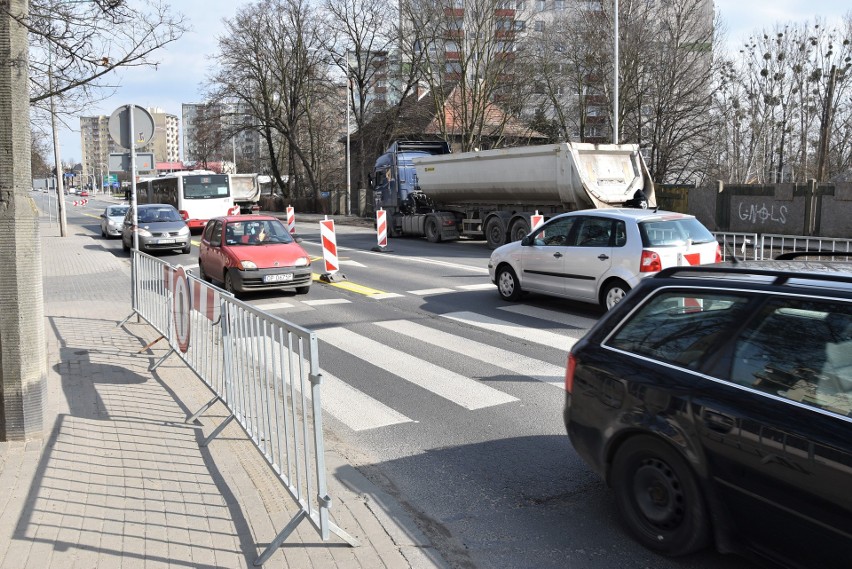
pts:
pixel 659 498
pixel 507 284
pixel 520 229
pixel 495 233
pixel 433 231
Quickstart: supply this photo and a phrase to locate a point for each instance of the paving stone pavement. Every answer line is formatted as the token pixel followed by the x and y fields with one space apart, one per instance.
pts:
pixel 121 481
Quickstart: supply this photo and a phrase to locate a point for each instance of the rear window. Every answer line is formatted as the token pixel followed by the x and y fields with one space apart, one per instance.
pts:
pixel 674 232
pixel 681 327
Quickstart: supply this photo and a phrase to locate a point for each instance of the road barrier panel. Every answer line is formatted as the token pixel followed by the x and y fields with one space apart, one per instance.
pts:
pixel 329 252
pixel 381 232
pixel 263 369
pixel 536 220
pixel 291 220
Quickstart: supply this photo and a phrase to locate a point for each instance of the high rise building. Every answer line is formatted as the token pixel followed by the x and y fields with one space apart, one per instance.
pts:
pixel 97 144
pixel 221 132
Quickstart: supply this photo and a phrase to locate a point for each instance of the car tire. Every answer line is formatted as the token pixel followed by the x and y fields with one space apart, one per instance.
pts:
pixel 659 498
pixel 433 231
pixel 201 274
pixel 103 233
pixel 229 284
pixel 303 289
pixel 186 250
pixel 613 293
pixel 507 284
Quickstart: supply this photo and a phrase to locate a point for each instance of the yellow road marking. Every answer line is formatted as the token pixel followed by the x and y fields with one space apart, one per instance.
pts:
pixel 350 286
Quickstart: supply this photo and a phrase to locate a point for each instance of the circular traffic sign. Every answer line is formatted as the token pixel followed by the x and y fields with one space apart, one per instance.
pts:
pixel 180 309
pixel 120 131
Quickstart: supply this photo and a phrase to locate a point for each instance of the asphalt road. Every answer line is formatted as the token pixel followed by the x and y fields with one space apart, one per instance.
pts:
pixel 451 399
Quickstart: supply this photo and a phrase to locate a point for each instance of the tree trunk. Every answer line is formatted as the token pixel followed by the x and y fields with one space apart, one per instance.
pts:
pixel 22 344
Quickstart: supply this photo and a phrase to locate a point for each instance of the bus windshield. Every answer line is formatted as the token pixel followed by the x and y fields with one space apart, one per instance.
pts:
pixel 205 187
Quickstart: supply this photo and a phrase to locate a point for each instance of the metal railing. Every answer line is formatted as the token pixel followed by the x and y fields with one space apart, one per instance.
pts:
pixel 263 369
pixel 742 245
pixel 753 246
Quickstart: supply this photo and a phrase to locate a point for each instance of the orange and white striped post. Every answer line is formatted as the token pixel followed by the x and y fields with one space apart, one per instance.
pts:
pixel 291 220
pixel 329 252
pixel 536 220
pixel 381 231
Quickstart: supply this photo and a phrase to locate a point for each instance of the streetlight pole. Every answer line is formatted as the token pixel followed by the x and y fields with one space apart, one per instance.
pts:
pixel 615 75
pixel 348 166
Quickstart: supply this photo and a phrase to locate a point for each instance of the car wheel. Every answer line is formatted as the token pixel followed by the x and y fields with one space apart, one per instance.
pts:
pixel 187 249
pixel 507 284
pixel 433 232
pixel 303 289
pixel 495 233
pixel 614 293
pixel 229 284
pixel 204 276
pixel 103 233
pixel 659 498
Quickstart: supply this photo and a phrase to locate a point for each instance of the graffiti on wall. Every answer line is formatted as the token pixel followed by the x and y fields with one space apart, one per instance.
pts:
pixel 760 213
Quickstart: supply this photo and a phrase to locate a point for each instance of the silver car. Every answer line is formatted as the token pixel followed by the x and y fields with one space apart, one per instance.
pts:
pixel 598 256
pixel 160 228
pixel 112 220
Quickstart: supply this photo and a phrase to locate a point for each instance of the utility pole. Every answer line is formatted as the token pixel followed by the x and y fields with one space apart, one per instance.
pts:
pixel 23 369
pixel 60 175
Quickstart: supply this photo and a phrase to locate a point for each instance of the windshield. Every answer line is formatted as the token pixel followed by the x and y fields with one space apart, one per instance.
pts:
pixel 205 187
pixel 117 211
pixel 674 232
pixel 254 232
pixel 161 214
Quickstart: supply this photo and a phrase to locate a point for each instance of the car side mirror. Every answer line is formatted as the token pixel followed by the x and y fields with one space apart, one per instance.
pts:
pixel 297 239
pixel 527 241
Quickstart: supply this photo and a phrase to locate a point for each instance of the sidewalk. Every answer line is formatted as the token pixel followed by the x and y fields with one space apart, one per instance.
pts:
pixel 120 481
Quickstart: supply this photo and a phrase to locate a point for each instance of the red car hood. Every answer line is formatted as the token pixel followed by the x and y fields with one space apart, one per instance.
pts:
pixel 268 256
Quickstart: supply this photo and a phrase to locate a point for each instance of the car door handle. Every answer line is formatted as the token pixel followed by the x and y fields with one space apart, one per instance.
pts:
pixel 557 254
pixel 717 421
pixel 603 257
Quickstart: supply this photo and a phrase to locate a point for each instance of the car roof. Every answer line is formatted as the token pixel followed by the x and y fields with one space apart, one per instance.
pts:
pixel 792 274
pixel 253 217
pixel 631 213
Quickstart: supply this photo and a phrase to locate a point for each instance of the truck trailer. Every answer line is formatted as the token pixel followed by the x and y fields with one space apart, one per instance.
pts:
pixel 429 191
pixel 246 192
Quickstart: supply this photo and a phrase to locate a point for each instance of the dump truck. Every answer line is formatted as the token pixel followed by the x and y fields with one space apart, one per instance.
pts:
pixel 430 192
pixel 246 192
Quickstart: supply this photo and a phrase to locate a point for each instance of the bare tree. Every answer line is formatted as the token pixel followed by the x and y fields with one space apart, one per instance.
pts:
pixel 206 142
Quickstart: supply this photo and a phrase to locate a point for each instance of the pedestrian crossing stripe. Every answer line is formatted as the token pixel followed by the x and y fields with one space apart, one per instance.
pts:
pixel 481 286
pixel 523 333
pixel 428 291
pixel 326 301
pixel 463 391
pixel 356 409
pixel 572 320
pixel 516 363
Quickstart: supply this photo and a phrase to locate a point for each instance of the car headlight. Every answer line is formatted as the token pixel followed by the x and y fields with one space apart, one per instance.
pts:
pixel 184 231
pixel 143 232
pixel 247 265
pixel 302 262
pixel 114 223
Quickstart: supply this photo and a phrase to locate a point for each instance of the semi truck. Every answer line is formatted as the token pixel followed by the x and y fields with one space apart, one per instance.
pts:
pixel 430 192
pixel 246 192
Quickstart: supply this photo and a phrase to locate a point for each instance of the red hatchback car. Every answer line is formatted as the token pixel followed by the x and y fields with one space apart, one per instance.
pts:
pixel 253 252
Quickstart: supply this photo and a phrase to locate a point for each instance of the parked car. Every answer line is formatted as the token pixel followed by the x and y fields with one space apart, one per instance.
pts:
pixel 598 256
pixel 253 253
pixel 717 403
pixel 84 193
pixel 160 228
pixel 112 220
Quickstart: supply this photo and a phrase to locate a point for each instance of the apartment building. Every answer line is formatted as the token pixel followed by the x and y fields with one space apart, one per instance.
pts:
pixel 217 132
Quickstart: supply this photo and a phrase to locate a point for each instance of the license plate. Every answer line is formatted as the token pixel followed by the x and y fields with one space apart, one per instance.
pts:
pixel 278 278
pixel 165 241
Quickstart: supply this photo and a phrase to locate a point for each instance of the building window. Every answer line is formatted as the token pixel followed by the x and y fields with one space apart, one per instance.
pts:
pixel 559 4
pixel 540 5
pixel 520 5
pixel 520 25
pixel 539 26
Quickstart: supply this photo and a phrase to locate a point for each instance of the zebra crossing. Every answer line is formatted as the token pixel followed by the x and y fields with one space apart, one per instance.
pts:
pixel 382 345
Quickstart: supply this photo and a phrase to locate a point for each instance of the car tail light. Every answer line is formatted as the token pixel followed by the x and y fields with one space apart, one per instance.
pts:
pixel 184 214
pixel 718 253
pixel 569 373
pixel 650 262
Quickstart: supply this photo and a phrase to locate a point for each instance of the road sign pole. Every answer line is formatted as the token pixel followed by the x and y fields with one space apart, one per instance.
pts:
pixel 133 179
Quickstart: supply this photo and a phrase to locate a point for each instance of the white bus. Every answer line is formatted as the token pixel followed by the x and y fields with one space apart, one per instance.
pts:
pixel 197 194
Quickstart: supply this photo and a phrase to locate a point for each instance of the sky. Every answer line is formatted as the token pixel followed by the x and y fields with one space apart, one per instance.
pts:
pixel 185 64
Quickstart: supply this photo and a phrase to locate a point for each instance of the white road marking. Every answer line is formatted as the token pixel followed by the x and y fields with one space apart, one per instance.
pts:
pixel 516 363
pixel 354 408
pixel 273 305
pixel 463 391
pixel 428 291
pixel 385 295
pixel 545 314
pixel 518 331
pixel 326 301
pixel 481 286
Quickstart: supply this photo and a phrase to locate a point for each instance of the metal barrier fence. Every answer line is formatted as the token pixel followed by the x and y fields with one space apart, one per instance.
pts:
pixel 752 246
pixel 263 369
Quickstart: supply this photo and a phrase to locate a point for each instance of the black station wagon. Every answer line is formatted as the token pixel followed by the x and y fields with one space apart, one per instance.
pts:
pixel 716 401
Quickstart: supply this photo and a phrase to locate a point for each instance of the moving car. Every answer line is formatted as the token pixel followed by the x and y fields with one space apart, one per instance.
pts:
pixel 717 403
pixel 253 253
pixel 160 228
pixel 598 256
pixel 112 220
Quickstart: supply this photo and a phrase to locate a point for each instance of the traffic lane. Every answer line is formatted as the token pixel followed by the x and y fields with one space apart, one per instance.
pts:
pixel 504 480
